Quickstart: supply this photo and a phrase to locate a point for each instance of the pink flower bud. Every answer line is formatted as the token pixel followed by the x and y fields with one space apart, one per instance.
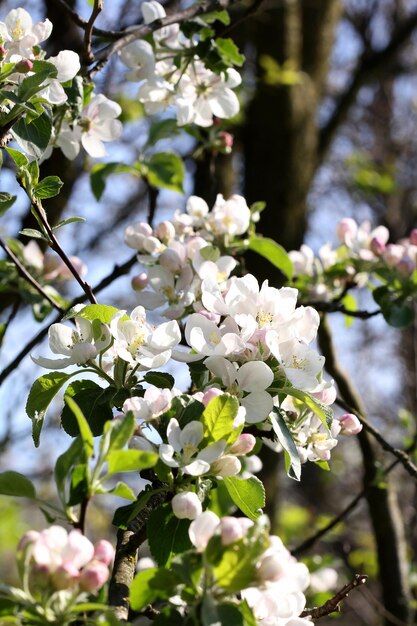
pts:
pixel 65 576
pixel 139 282
pixel 186 505
pixel 210 394
pixel 271 568
pixel 413 237
pixel 406 266
pixel 393 254
pixel 231 530
pixel 104 552
pixel 93 576
pixel 227 465
pixel 377 246
pixel 227 139
pixel 165 231
pixel 170 260
pixel 346 229
pixel 245 444
pixel 202 529
pixel 24 66
pixel 3 52
pixel 350 424
pixel 327 395
pixel 28 539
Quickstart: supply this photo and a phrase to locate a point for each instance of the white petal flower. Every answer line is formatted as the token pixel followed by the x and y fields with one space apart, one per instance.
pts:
pixel 76 345
pixel 202 529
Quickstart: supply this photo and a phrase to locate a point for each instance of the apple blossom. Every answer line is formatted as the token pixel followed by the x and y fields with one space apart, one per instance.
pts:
pixel 19 34
pixel 155 401
pixel 202 529
pixel 186 505
pixel 350 424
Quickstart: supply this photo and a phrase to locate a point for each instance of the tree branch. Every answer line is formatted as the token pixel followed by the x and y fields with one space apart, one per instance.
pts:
pixel 82 23
pixel 118 270
pixel 25 274
pixel 332 605
pixel 97 9
pixel 370 64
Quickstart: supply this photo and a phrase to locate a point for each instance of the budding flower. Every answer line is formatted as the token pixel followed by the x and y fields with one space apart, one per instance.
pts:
pixel 377 246
pixel 202 529
pixel 225 142
pixel 24 66
pixel 186 505
pixel 65 576
pixel 139 281
pixel 350 424
pixel 170 261
pixel 165 231
pixel 346 229
pixel 227 465
pixel 210 394
pixel 413 237
pixel 104 552
pixel 271 568
pixel 232 529
pixel 245 444
pixel 93 576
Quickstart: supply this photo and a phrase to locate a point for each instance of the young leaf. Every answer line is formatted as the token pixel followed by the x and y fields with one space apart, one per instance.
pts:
pixel 64 465
pixel 101 171
pixel 284 436
pixel 33 137
pixel 130 460
pixel 6 201
pixel 229 52
pixel 162 130
pixel 167 535
pixel 17 485
pixel 248 494
pixel 101 312
pixel 273 252
pixel 151 584
pixel 121 431
pixel 166 170
pixel 123 491
pixel 322 411
pixel 42 392
pixel 85 431
pixel 124 514
pixel 48 187
pixel 19 158
pixel 94 402
pixel 218 418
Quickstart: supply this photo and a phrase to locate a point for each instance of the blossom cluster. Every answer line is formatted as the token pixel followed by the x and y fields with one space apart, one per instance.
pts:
pixel 58 560
pixel 196 92
pixel 362 252
pixel 19 52
pixel 277 581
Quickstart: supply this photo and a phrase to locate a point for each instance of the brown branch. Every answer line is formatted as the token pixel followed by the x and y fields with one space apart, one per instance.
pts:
pixel 335 307
pixel 97 9
pixel 128 542
pixel 28 277
pixel 82 23
pixel 368 67
pixel 332 605
pixel 118 270
pixel 131 34
pixel 401 455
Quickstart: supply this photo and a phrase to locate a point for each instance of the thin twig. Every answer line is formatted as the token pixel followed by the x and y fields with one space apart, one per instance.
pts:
pixel 138 32
pixel 332 605
pixel 118 270
pixel 82 23
pixel 97 9
pixel 401 455
pixel 29 279
pixel 56 246
pixel 336 307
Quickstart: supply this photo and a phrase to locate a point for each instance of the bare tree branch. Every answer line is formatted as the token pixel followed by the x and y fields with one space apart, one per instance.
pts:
pixel 332 605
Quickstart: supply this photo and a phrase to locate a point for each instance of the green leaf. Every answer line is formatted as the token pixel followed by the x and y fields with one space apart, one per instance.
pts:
pixel 85 431
pixel 124 514
pixel 93 401
pixel 121 431
pixel 42 392
pixel 229 52
pixel 101 171
pixel 123 491
pixel 6 201
pixel 19 158
pixel 48 187
pixel 101 312
pixel 33 233
pixel 248 494
pixel 167 535
pixel 17 485
pixel 151 584
pixel 322 411
pixel 218 418
pixel 285 438
pixel 33 137
pixel 225 614
pixel 162 380
pixel 31 85
pixel 80 485
pixel 398 314
pixel 213 16
pixel 273 252
pixel 166 170
pixel 70 220
pixel 130 460
pixel 162 130
pixel 65 463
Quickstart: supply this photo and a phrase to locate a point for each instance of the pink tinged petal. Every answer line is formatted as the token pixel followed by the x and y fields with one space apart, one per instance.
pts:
pixel 258 406
pixel 79 549
pixel 221 368
pixel 202 529
pixel 197 468
pixel 138 406
pixel 186 505
pixel 94 576
pixel 227 465
pixel 254 376
pixel 104 552
pixel 212 452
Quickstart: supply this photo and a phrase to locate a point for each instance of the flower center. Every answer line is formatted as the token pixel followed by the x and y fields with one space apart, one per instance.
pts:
pixel 264 318
pixel 17 32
